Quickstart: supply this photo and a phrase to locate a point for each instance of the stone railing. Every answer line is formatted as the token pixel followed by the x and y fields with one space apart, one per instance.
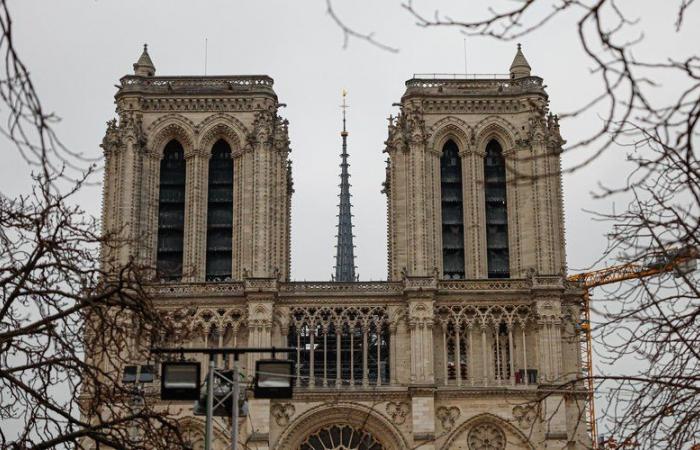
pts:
pixel 484 285
pixel 179 290
pixel 476 87
pixel 328 287
pixel 175 85
pixel 360 288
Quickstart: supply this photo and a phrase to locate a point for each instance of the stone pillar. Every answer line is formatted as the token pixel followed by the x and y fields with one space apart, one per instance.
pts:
pixel 258 425
pixel 555 421
pixel 423 418
pixel 420 294
pixel 549 338
pixel 260 298
pixel 194 256
pixel 474 212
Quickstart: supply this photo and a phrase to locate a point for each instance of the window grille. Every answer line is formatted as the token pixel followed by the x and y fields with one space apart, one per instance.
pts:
pixel 220 213
pixel 452 216
pixel 496 212
pixel 171 212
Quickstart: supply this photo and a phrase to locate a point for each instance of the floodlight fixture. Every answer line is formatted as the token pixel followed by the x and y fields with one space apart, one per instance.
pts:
pixel 274 378
pixel 180 380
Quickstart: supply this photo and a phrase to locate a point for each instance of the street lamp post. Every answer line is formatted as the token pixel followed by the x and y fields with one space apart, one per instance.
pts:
pixel 276 382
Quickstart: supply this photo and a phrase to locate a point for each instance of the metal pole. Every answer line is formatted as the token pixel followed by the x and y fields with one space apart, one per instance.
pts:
pixel 234 413
pixel 210 404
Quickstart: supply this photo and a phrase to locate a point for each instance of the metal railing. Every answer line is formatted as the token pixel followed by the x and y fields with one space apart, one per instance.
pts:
pixel 462 76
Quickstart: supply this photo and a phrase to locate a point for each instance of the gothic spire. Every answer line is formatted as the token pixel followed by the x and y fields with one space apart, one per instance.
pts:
pixel 345 256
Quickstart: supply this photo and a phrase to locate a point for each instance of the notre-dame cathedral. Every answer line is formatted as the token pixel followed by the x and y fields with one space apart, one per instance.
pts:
pixel 462 347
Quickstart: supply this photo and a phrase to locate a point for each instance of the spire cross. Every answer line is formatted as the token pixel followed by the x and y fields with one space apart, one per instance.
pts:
pixel 344 106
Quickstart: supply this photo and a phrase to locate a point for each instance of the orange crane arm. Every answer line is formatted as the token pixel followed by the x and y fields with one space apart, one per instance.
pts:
pixel 665 263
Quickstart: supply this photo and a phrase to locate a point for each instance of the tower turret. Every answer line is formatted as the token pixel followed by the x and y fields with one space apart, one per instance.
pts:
pixel 520 67
pixel 345 249
pixel 144 66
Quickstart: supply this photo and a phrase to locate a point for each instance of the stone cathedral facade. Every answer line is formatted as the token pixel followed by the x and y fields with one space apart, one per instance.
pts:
pixel 464 344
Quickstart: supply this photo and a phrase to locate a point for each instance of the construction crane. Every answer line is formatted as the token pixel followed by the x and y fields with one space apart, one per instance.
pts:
pixel 681 260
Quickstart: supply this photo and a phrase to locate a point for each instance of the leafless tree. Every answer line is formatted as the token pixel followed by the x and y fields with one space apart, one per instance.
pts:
pixel 648 336
pixel 63 320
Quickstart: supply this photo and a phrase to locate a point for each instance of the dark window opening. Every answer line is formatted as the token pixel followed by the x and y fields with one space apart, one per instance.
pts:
pixel 351 359
pixel 220 213
pixel 496 212
pixel 171 213
pixel 452 216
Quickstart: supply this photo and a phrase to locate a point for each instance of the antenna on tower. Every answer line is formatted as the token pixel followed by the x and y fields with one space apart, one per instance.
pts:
pixel 465 56
pixel 206 45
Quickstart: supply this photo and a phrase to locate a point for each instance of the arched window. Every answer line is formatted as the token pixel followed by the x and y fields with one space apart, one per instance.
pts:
pixel 452 217
pixel 171 212
pixel 496 211
pixel 220 213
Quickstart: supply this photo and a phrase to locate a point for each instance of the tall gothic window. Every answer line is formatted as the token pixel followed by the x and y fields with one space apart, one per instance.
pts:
pixel 171 212
pixel 452 217
pixel 496 212
pixel 220 213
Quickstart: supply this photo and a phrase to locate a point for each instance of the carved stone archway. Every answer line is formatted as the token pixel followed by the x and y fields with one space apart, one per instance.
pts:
pixel 354 422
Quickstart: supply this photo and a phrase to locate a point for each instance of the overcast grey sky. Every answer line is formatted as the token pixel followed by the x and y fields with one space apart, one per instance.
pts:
pixel 77 50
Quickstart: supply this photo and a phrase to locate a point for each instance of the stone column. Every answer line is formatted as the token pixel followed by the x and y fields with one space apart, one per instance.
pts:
pixel 420 294
pixel 260 297
pixel 549 346
pixel 194 256
pixel 423 418
pixel 474 219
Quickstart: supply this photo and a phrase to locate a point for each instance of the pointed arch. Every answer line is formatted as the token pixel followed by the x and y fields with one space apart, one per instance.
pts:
pixel 495 128
pixel 484 419
pixel 221 126
pixel 449 128
pixel 169 127
pixel 355 415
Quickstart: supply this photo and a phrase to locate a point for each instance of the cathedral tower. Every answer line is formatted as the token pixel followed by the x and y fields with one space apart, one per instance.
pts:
pixel 473 181
pixel 197 176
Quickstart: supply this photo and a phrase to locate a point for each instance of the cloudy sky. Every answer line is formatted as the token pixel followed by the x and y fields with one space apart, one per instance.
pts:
pixel 77 51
